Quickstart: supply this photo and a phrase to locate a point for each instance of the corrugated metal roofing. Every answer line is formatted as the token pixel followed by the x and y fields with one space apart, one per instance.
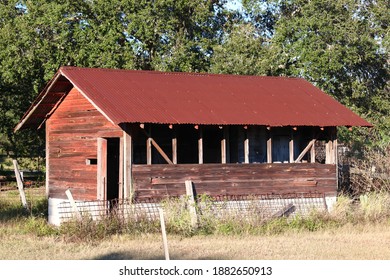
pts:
pixel 179 98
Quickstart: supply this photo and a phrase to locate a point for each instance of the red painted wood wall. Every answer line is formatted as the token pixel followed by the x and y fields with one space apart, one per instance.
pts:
pixel 72 133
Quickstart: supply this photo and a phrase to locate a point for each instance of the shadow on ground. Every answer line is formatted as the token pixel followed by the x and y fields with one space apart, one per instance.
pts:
pixel 130 256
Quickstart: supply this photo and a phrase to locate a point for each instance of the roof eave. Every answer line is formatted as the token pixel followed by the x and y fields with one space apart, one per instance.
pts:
pixel 37 102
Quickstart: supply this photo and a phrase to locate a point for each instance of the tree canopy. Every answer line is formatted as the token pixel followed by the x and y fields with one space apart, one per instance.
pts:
pixel 340 46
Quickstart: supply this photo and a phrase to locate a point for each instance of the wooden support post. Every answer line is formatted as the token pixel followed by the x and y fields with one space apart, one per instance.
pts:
pixel 174 146
pixel 335 160
pixel 328 148
pixel 73 203
pixel 149 146
pixel 162 153
pixel 20 184
pixel 246 146
pixel 331 147
pixel 269 147
pixel 200 145
pixel 47 162
pixel 313 150
pixel 101 168
pixel 226 139
pixel 334 145
pixel 312 154
pixel 308 147
pixel 151 142
pixel 223 148
pixel 327 152
pixel 164 234
pixel 191 203
pixel 121 169
pixel 291 147
pixel 128 164
pixel 223 151
pixel 331 151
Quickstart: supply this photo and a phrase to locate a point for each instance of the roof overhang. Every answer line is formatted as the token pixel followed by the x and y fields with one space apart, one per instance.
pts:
pixel 46 102
pixel 131 96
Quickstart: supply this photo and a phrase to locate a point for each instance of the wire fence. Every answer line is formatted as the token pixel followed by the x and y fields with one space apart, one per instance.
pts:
pixel 264 206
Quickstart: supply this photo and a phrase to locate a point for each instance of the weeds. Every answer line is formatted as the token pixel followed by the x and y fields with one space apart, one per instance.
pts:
pixel 38 226
pixel 213 219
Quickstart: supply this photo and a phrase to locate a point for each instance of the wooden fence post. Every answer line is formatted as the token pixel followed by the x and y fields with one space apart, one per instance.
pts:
pixel 20 184
pixel 73 203
pixel 164 234
pixel 191 203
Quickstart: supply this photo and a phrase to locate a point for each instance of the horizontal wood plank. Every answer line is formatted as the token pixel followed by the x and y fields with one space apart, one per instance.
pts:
pixel 234 179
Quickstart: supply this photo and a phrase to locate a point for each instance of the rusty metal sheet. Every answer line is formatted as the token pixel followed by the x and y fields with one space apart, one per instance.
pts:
pixel 131 96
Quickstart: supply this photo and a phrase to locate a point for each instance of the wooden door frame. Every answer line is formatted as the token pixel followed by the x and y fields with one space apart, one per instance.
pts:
pixel 102 168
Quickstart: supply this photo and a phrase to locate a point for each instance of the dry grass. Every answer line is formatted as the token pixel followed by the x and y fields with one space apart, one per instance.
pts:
pixel 349 232
pixel 356 242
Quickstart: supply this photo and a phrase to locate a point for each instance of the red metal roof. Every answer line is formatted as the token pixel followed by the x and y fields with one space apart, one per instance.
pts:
pixel 131 96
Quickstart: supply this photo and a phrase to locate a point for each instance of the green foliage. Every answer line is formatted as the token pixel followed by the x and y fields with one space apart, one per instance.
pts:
pixel 312 223
pixel 10 211
pixel 174 35
pixel 340 46
pixel 241 52
pixel 11 207
pixel 37 37
pixel 38 226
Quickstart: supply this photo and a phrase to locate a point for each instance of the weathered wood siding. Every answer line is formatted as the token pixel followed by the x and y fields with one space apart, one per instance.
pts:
pixel 72 133
pixel 234 179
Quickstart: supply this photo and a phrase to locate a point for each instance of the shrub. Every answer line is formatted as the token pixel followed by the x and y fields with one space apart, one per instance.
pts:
pixel 370 173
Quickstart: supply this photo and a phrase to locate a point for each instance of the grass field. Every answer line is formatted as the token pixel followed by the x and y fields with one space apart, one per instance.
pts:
pixel 350 242
pixel 26 236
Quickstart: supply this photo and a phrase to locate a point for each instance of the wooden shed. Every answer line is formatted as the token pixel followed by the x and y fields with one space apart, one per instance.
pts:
pixel 115 134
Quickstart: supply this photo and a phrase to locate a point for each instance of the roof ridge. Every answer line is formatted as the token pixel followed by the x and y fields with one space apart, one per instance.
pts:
pixel 179 73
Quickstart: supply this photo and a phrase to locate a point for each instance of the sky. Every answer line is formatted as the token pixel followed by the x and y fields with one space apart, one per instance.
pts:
pixel 234 4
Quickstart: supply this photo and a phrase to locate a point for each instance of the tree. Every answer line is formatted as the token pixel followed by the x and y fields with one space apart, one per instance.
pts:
pixel 241 52
pixel 37 37
pixel 175 35
pixel 340 46
pixel 17 71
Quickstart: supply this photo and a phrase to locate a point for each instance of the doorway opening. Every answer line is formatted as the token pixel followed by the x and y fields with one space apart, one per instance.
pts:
pixel 112 173
pixel 109 170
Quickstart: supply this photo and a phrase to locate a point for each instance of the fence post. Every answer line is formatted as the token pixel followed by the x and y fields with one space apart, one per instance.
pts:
pixel 164 234
pixel 73 203
pixel 19 181
pixel 191 203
